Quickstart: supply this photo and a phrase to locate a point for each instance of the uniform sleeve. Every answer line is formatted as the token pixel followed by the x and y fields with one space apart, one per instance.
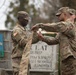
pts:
pixel 35 38
pixel 19 38
pixel 52 40
pixel 63 27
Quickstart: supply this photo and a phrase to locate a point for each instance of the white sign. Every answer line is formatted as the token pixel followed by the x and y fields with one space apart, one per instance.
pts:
pixel 43 57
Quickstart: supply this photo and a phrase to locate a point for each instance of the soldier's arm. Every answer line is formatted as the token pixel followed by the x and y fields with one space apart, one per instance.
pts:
pixel 50 41
pixel 53 27
pixel 35 38
pixel 63 27
pixel 18 38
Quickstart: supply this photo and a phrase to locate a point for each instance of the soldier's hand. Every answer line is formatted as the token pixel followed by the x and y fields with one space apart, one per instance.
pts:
pixel 36 27
pixel 41 37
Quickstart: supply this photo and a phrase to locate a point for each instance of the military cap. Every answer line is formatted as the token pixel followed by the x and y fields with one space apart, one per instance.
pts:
pixel 62 9
pixel 72 11
pixel 23 14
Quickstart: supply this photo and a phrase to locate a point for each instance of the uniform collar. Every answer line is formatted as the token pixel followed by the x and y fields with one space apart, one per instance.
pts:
pixel 20 26
pixel 68 20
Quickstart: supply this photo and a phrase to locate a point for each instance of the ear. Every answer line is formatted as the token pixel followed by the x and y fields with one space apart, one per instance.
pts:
pixel 73 16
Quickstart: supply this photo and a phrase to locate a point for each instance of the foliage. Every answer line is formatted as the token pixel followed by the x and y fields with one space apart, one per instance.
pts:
pixel 43 13
pixel 15 6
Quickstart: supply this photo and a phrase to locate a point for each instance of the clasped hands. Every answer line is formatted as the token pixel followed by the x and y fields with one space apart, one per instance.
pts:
pixel 35 29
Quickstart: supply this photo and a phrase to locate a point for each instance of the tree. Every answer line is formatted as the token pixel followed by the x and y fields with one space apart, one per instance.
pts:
pixel 39 10
pixel 35 8
pixel 15 6
pixel 69 3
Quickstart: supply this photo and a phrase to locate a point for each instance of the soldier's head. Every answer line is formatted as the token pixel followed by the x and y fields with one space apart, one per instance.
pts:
pixel 63 13
pixel 23 18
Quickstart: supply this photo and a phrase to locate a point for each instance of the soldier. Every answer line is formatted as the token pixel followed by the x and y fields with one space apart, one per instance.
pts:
pixel 66 38
pixel 20 38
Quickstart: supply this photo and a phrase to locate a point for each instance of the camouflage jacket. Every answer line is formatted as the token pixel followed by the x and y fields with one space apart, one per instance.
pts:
pixel 20 37
pixel 66 37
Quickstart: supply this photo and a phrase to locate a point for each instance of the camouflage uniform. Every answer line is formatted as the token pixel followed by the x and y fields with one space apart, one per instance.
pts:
pixel 20 38
pixel 66 38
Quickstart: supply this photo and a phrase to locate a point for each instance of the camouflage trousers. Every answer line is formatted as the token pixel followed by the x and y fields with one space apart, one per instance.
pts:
pixel 68 66
pixel 16 64
pixel 15 73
